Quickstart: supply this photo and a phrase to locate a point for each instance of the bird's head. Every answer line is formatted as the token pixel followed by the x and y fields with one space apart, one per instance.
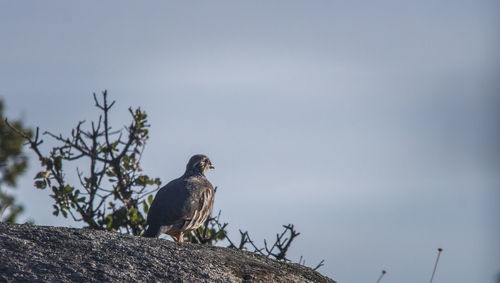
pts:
pixel 199 163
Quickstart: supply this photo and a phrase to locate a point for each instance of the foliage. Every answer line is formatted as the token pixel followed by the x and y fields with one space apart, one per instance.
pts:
pixel 12 164
pixel 113 193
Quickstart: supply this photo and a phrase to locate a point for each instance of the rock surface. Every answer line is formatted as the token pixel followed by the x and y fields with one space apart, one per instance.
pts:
pixel 57 254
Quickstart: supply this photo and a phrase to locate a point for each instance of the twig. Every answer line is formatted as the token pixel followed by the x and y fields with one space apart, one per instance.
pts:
pixel 381 275
pixel 320 264
pixel 436 264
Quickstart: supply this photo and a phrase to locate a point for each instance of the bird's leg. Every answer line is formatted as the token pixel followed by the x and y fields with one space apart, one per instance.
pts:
pixel 178 237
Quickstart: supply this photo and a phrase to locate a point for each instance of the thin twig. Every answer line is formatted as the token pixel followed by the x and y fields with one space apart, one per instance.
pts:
pixel 381 275
pixel 320 264
pixel 436 264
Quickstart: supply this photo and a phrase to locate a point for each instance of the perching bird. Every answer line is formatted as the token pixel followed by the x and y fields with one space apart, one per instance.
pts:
pixel 184 204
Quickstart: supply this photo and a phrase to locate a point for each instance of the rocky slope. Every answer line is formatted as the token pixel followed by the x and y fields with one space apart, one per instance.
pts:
pixel 57 254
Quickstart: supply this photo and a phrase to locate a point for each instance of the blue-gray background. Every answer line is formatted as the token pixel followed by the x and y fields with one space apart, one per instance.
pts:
pixel 373 126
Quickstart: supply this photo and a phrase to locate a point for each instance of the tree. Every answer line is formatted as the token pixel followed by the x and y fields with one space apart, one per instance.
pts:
pixel 12 164
pixel 113 193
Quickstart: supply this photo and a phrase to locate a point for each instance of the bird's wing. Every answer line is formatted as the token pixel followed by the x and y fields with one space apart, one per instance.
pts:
pixel 184 204
pixel 167 205
pixel 199 204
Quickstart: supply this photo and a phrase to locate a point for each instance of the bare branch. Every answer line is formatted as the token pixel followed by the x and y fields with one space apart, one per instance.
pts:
pixel 380 277
pixel 320 264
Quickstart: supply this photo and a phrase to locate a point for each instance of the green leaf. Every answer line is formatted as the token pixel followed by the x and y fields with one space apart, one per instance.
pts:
pixel 150 199
pixel 58 163
pixel 41 184
pixel 56 210
pixel 110 172
pixel 113 145
pixel 40 175
pixel 68 188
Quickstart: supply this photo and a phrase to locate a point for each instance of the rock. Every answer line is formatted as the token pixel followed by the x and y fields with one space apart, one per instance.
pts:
pixel 57 254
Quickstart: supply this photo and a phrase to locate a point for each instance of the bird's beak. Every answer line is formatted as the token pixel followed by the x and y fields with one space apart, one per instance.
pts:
pixel 211 166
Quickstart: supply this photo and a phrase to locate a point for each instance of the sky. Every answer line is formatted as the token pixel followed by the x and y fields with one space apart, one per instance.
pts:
pixel 373 126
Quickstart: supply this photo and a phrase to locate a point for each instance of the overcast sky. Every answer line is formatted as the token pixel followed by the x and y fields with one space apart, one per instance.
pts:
pixel 373 126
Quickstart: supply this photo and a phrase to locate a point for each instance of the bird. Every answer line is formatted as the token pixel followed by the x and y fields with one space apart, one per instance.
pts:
pixel 183 204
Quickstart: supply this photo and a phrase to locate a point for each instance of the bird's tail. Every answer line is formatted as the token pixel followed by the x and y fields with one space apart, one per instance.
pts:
pixel 153 231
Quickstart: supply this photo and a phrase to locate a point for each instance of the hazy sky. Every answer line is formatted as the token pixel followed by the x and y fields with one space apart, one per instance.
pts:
pixel 373 126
